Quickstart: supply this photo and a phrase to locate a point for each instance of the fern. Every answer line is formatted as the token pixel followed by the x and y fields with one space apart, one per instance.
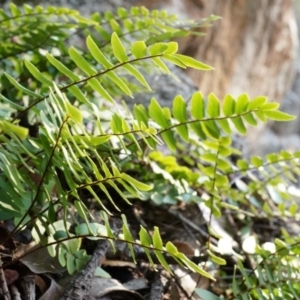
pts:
pixel 273 278
pixel 87 141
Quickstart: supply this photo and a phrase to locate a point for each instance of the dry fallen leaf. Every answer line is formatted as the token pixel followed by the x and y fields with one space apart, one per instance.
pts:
pixel 54 291
pixel 39 261
pixel 184 247
pixel 108 286
pixel 11 276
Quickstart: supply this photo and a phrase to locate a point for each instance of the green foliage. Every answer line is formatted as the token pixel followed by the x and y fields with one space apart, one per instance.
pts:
pixel 64 134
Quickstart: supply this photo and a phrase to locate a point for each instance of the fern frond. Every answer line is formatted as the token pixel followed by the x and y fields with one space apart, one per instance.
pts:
pixel 152 245
pixel 272 278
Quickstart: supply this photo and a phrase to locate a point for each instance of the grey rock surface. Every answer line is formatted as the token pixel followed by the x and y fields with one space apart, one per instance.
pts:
pixel 291 105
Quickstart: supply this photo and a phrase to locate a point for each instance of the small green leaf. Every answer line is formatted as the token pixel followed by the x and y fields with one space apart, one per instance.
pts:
pixel 180 114
pixel 239 125
pixel 172 48
pixel 119 82
pixel 282 248
pixel 80 209
pixel 224 151
pixel 269 106
pixel 81 62
pixel 61 68
pixel 157 114
pixel 171 248
pixel 228 106
pixel 249 118
pixel 225 126
pixel 174 60
pixel 213 106
pixel 76 92
pixel 257 161
pixel 272 157
pixel 223 165
pixel 205 294
pixel 128 236
pixel 109 231
pixel 209 157
pixel 260 115
pixel 74 113
pixel 158 49
pixel 211 129
pixel 115 26
pixel 225 141
pixel 162 260
pixel 97 53
pixel 37 74
pixel 192 266
pixel 196 127
pixel 257 102
pixel 19 131
pixel 197 106
pixel 221 180
pixel 87 228
pixel 118 48
pixel 99 272
pixel 146 241
pixel 15 11
pixel 138 76
pixel 95 84
pixel 212 145
pixel 215 209
pixel 128 24
pixel 60 234
pixel 20 87
pixel 122 12
pixel 145 237
pixel 11 103
pixel 160 64
pixel 71 267
pixel 139 49
pixel 140 113
pixel 135 183
pixel 191 62
pixel 278 115
pixel 157 241
pixel 242 164
pixel 241 104
pixel 61 255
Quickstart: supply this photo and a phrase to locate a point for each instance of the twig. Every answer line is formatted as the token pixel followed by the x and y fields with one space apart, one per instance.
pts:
pixel 28 286
pixel 3 283
pixel 81 284
pixel 15 292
